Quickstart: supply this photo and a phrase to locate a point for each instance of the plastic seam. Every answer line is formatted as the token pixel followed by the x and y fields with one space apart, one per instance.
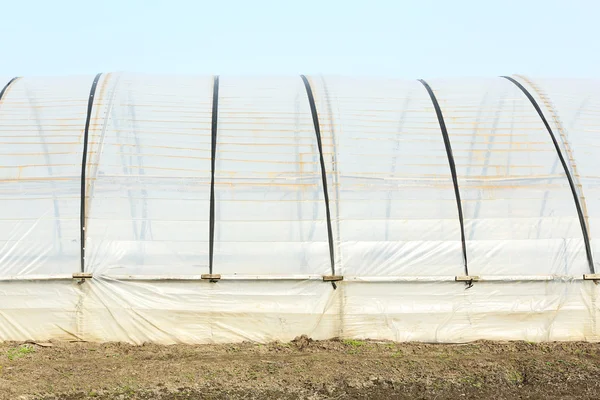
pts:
pixel 336 178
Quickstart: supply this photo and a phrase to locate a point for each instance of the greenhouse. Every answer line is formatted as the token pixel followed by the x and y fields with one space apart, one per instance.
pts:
pixel 204 209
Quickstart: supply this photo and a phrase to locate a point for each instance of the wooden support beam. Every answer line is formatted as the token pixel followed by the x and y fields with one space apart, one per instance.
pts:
pixel 467 278
pixel 211 277
pixel 83 275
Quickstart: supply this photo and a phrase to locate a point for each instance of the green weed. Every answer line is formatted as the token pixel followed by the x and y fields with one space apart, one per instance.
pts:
pixel 472 381
pixel 20 351
pixel 515 377
pixel 353 343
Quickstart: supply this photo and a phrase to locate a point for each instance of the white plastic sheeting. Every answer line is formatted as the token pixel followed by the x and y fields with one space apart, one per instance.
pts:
pixel 270 209
pixel 393 206
pixel 520 216
pixel 41 136
pixel 396 232
pixel 232 311
pixel 148 176
pixel 573 108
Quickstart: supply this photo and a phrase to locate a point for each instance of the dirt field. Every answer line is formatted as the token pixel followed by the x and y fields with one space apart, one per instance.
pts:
pixel 302 369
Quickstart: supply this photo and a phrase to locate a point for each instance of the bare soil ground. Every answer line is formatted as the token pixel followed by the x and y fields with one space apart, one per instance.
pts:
pixel 302 369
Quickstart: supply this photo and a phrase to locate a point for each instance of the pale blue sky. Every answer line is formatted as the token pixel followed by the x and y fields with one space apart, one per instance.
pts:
pixel 408 39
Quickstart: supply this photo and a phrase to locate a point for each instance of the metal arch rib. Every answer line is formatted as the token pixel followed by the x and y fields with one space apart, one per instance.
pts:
pixel 450 155
pixel 213 154
pixel 584 231
pixel 5 88
pixel 83 167
pixel 315 117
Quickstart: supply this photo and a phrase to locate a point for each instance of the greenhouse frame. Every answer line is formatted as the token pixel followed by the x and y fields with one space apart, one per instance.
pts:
pixel 206 209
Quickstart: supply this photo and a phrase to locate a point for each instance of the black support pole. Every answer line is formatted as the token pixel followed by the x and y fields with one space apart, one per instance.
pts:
pixel 5 88
pixel 84 166
pixel 213 151
pixel 315 117
pixel 450 155
pixel 584 231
